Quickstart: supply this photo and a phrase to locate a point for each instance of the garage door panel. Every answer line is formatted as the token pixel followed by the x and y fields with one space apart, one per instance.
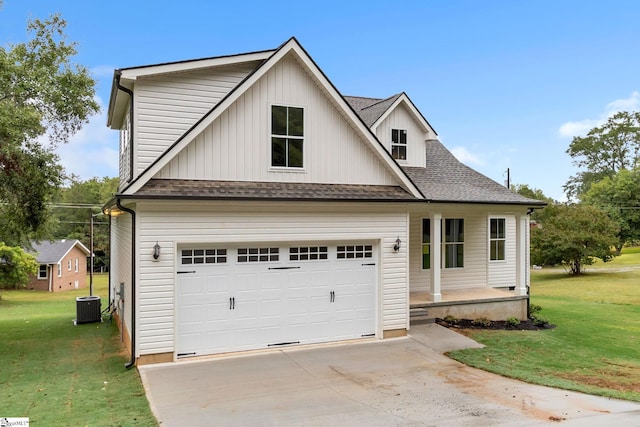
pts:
pixel 308 296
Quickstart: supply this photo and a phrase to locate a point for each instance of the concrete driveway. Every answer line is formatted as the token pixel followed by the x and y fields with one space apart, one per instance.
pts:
pixel 399 382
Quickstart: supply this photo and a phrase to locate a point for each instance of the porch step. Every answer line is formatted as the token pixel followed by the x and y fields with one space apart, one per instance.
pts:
pixel 420 315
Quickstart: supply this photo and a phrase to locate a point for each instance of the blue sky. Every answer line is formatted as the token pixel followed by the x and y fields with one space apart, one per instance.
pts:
pixel 506 84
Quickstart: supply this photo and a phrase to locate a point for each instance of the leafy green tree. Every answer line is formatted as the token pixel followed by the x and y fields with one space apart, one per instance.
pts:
pixel 15 267
pixel 605 151
pixel 77 202
pixel 619 196
pixel 573 235
pixel 533 193
pixel 44 99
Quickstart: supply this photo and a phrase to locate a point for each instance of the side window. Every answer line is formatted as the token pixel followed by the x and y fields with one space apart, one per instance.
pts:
pixel 497 239
pixel 42 271
pixel 59 269
pixel 77 265
pixel 399 144
pixel 69 265
pixel 287 136
pixel 426 244
pixel 453 243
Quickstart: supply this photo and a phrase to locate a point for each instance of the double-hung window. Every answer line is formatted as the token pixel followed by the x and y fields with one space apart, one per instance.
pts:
pixel 43 271
pixel 453 243
pixel 497 239
pixel 287 136
pixel 399 144
pixel 426 243
pixel 59 269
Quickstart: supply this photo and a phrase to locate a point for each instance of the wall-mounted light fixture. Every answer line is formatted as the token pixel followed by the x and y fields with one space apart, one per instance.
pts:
pixel 396 247
pixel 156 251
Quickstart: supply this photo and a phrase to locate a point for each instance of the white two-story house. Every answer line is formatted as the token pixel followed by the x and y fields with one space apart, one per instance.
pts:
pixel 258 207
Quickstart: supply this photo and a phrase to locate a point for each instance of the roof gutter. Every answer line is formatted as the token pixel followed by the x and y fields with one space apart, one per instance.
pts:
pixel 117 76
pixel 132 360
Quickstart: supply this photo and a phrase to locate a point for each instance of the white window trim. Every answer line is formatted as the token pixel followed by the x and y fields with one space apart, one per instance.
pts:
pixel 399 144
pixel 445 243
pixel 46 272
pixel 304 138
pixel 490 240
pixel 422 244
pixel 69 263
pixel 59 269
pixel 77 265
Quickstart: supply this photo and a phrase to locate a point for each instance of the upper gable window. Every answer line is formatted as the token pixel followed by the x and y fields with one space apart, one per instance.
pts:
pixel 399 144
pixel 287 136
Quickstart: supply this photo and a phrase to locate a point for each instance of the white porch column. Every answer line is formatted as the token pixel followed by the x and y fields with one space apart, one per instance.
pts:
pixel 522 247
pixel 436 256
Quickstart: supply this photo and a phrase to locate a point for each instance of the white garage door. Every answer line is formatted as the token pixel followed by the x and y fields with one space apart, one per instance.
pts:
pixel 261 296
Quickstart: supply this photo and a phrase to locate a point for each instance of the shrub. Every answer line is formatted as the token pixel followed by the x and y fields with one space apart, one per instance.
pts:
pixel 16 267
pixel 451 319
pixel 540 321
pixel 533 309
pixel 482 322
pixel 512 321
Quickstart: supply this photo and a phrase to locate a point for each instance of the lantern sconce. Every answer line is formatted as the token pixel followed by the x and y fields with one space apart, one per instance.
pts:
pixel 156 251
pixel 396 247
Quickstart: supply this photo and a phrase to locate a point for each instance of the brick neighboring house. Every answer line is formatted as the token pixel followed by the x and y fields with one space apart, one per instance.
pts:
pixel 62 266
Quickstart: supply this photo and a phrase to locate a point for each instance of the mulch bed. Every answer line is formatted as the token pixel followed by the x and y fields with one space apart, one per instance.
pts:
pixel 525 325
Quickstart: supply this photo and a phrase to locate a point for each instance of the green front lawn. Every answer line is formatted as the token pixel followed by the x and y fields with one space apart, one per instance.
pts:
pixel 595 347
pixel 57 373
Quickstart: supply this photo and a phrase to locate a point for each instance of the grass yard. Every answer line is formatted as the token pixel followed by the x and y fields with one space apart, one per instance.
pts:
pixel 58 374
pixel 595 347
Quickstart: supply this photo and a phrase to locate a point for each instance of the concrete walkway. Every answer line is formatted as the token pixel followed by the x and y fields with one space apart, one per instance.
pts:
pixel 398 382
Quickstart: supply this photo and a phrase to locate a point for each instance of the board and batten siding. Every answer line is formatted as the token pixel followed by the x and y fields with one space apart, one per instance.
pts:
pixel 167 106
pixel 170 225
pixel 401 118
pixel 503 273
pixel 237 145
pixel 121 266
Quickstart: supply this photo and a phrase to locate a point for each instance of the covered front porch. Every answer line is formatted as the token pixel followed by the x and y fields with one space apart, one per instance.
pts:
pixel 469 261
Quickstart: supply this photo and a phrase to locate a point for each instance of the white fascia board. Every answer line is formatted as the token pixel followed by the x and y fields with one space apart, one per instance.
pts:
pixel 419 118
pixel 197 64
pixel 383 155
pixel 200 126
pixel 291 46
pixel 76 243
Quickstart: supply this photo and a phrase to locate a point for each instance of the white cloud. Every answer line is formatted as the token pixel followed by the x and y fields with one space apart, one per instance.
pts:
pixel 466 156
pixel 93 151
pixel 102 71
pixel 581 127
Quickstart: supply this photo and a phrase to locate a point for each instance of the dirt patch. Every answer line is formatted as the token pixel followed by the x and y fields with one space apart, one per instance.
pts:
pixel 625 378
pixel 524 325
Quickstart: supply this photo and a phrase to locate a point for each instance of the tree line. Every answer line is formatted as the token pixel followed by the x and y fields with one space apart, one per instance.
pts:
pixel 603 214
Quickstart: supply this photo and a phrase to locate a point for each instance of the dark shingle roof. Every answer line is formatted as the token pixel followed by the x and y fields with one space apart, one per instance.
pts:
pixel 52 252
pixel 251 190
pixel 370 109
pixel 445 179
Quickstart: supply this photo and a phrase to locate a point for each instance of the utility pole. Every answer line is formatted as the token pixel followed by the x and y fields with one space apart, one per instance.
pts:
pixel 91 257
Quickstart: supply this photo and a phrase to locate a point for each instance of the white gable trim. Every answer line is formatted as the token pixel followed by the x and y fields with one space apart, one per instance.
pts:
pixel 291 46
pixel 193 65
pixel 404 99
